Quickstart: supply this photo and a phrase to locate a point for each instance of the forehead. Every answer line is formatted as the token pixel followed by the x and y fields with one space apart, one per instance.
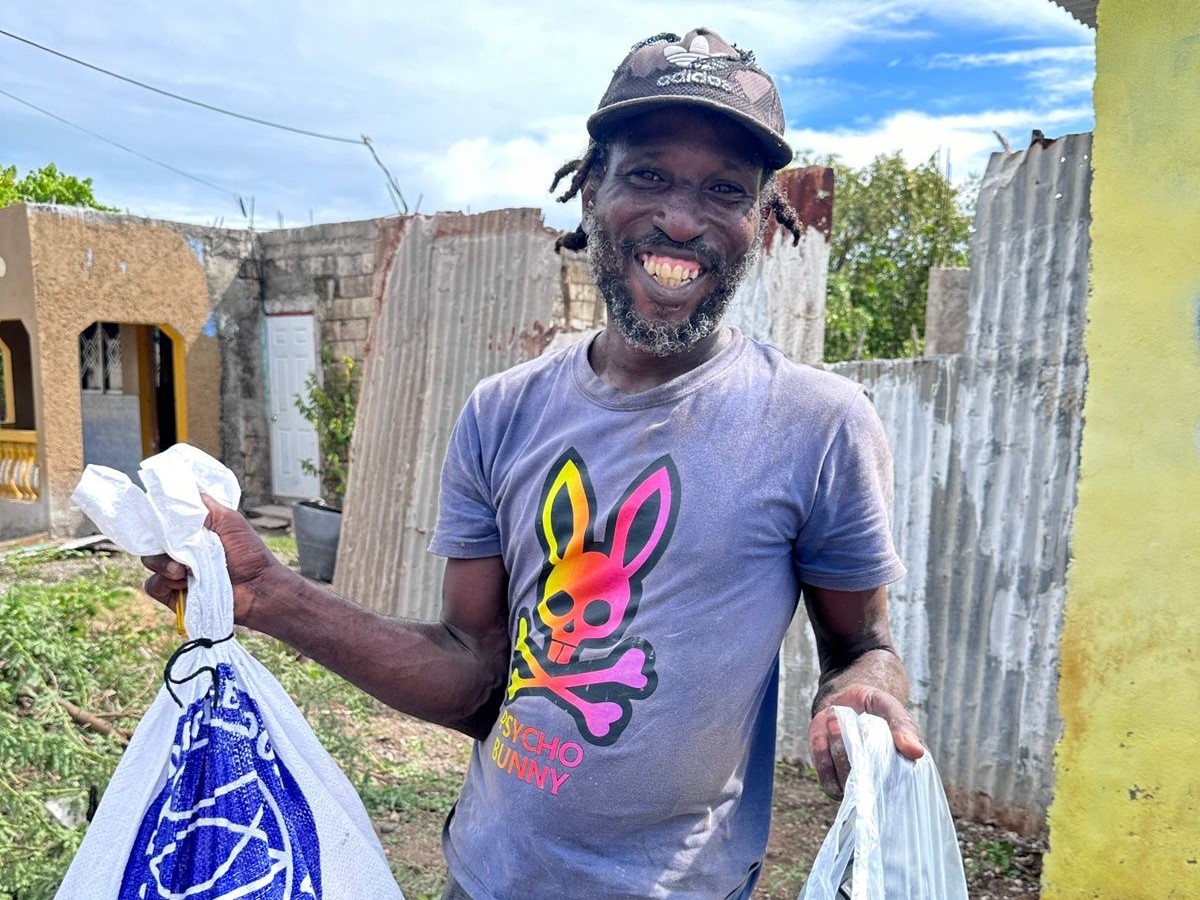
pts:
pixel 696 131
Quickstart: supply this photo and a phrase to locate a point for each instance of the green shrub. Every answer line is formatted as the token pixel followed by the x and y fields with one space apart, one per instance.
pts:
pixel 332 401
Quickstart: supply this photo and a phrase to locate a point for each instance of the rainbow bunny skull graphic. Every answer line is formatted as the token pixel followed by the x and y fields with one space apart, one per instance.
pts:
pixel 589 593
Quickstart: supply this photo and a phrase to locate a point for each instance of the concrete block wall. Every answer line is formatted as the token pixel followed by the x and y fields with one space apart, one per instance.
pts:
pixel 326 270
pixel 230 258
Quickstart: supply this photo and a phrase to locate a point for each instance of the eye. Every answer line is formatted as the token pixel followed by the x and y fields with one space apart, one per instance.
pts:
pixel 560 604
pixel 729 191
pixel 644 176
pixel 597 612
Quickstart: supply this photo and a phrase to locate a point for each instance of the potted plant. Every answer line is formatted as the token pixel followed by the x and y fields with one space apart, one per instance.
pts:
pixel 332 400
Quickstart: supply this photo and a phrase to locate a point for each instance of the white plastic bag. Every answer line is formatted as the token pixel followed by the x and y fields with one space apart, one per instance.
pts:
pixel 226 793
pixel 893 835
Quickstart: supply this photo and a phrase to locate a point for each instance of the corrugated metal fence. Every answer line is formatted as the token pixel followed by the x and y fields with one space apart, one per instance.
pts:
pixel 986 446
pixel 987 450
pixel 468 296
pixel 465 296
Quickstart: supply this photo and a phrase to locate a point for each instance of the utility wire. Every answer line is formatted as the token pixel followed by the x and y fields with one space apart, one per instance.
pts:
pixel 392 186
pixel 100 137
pixel 180 97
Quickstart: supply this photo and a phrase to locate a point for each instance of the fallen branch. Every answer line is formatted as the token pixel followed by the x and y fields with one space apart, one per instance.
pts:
pixel 94 722
pixel 85 718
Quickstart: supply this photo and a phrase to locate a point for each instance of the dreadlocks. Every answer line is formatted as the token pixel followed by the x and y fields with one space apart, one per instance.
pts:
pixel 593 162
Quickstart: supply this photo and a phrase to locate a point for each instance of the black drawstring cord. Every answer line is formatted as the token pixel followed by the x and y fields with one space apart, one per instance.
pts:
pixel 206 643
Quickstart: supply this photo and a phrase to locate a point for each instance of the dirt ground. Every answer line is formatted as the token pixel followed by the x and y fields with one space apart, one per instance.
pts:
pixel 431 761
pixel 998 864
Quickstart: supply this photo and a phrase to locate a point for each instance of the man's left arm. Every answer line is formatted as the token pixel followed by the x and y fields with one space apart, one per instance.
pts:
pixel 859 669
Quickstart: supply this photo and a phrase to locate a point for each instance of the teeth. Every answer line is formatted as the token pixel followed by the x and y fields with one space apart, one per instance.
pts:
pixel 668 275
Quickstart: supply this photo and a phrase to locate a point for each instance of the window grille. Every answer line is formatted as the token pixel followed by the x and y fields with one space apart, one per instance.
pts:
pixel 100 358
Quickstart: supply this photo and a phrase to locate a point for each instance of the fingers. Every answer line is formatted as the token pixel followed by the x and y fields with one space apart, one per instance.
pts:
pixel 828 750
pixel 169 576
pixel 169 569
pixel 162 590
pixel 905 734
pixel 828 753
pixel 218 514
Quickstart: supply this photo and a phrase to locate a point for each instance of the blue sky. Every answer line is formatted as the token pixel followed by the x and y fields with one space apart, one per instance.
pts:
pixel 472 105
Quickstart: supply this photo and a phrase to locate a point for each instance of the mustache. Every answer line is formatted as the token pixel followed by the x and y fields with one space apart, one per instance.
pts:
pixel 713 261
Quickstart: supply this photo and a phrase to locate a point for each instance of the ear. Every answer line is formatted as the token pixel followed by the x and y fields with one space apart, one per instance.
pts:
pixel 566 509
pixel 642 524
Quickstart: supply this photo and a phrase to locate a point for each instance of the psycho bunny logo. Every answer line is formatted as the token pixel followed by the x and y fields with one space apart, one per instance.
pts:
pixel 589 593
pixel 231 821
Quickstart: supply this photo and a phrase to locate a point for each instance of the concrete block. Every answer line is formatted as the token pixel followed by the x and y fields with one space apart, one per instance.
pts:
pixel 946 311
pixel 289 304
pixel 362 307
pixel 342 349
pixel 355 286
pixel 356 263
pixel 354 330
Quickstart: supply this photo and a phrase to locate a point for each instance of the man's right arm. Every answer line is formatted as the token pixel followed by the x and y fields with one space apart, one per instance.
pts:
pixel 451 672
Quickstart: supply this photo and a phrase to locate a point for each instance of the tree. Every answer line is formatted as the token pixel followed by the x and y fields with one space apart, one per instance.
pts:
pixel 891 224
pixel 47 185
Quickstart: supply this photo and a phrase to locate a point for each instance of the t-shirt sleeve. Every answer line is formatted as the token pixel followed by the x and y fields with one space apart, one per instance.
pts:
pixel 845 543
pixel 466 523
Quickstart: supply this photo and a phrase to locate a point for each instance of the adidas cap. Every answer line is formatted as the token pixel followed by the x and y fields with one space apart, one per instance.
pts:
pixel 699 70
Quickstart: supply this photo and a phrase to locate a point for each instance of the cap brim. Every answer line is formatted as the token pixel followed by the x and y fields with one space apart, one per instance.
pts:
pixel 776 152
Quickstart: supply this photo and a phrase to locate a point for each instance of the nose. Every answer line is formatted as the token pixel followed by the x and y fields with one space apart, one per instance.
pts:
pixel 679 216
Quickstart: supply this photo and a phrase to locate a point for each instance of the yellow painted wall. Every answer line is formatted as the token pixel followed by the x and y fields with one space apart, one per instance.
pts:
pixel 1125 821
pixel 90 267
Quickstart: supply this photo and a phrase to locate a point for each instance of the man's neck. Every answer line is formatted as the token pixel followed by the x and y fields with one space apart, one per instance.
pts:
pixel 632 370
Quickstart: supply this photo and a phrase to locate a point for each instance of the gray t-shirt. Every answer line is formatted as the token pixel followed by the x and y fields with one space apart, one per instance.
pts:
pixel 655 544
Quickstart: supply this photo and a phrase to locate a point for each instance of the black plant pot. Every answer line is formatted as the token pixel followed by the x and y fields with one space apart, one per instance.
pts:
pixel 317 529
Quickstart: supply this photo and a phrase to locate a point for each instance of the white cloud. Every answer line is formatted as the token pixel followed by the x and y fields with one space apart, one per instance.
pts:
pixel 1012 57
pixel 969 139
pixel 490 173
pixel 471 103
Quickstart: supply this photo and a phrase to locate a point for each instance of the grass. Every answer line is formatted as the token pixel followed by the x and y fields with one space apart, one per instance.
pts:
pixel 996 857
pixel 74 633
pixel 74 629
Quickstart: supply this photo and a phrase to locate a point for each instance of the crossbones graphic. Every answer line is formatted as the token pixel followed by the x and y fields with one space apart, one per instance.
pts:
pixel 589 593
pixel 624 675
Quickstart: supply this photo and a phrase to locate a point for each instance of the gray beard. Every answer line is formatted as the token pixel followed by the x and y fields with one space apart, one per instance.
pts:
pixel 606 264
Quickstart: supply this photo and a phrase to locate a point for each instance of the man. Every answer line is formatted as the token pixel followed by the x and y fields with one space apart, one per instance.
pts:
pixel 628 526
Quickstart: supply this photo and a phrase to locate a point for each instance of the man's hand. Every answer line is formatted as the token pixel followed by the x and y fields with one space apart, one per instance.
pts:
pixel 249 561
pixel 452 671
pixel 825 744
pixel 858 669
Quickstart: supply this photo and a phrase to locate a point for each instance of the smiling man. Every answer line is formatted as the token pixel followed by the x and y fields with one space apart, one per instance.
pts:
pixel 629 525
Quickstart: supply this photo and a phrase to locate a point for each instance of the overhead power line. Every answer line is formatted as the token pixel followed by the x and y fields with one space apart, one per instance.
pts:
pixel 180 97
pixel 100 137
pixel 392 186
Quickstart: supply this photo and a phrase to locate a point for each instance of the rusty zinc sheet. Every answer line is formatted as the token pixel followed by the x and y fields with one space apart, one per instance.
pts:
pixel 782 300
pixel 465 296
pixel 986 446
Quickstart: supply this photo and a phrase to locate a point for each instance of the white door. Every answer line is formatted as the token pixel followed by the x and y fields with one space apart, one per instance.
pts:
pixel 291 355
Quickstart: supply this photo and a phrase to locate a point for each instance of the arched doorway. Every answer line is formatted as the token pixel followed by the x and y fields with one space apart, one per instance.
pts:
pixel 130 388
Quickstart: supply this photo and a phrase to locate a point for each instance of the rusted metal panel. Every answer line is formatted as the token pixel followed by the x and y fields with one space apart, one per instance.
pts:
pixel 782 300
pixel 465 296
pixel 986 446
